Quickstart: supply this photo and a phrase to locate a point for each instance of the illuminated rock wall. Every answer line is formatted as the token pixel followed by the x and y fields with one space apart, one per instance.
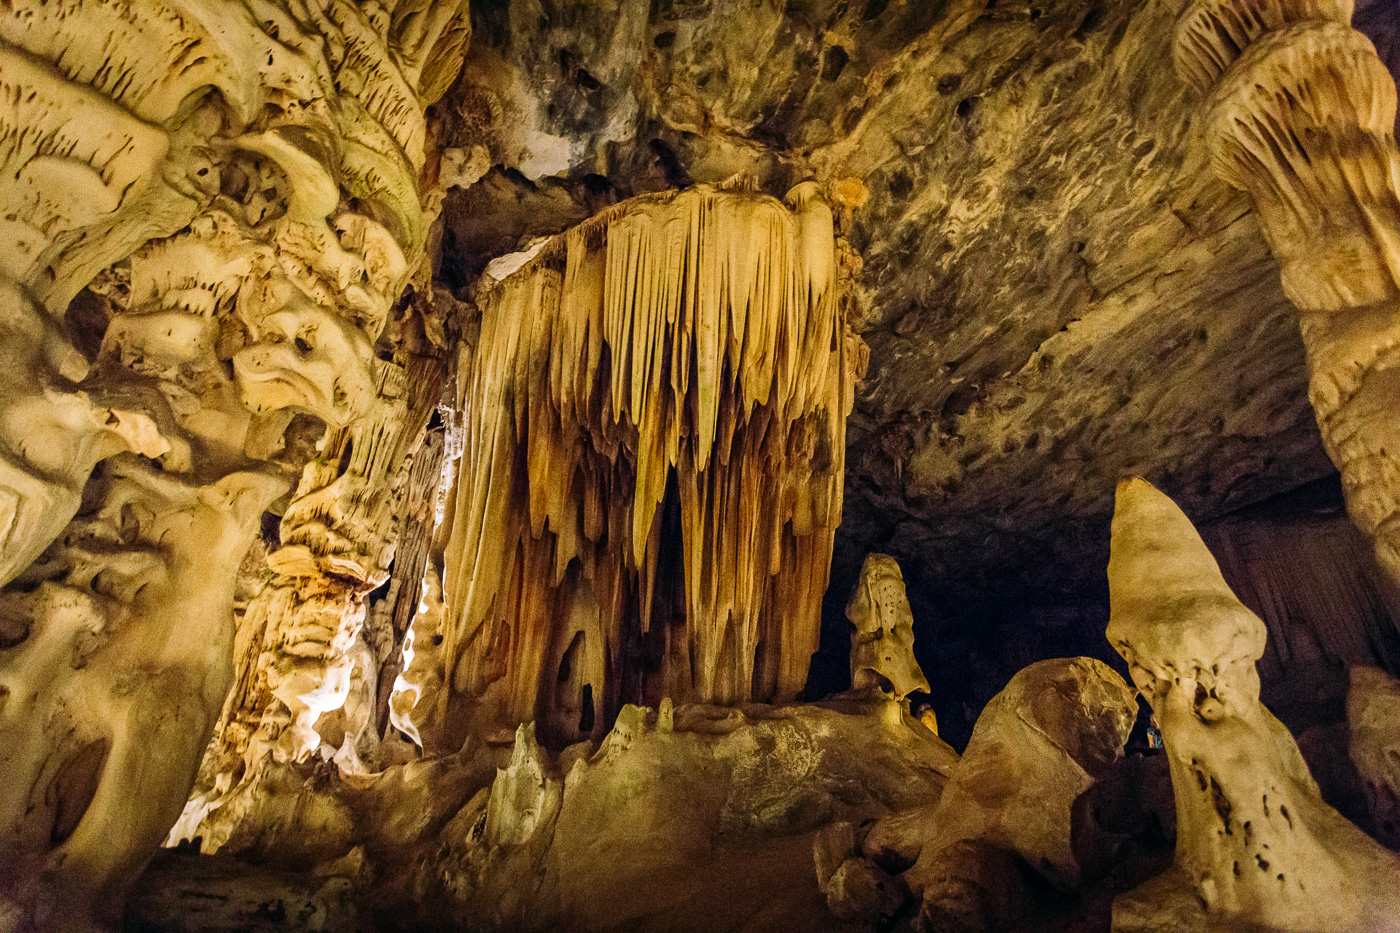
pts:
pixel 211 210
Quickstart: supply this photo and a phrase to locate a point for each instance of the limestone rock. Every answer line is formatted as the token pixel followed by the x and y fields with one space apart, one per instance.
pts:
pixel 183 891
pixel 1008 810
pixel 861 890
pixel 240 185
pixel 1038 745
pixel 417 691
pixel 973 885
pixel 1301 113
pixel 655 420
pixel 1008 152
pixel 1256 844
pixel 1373 717
pixel 708 823
pixel 882 647
pixel 106 705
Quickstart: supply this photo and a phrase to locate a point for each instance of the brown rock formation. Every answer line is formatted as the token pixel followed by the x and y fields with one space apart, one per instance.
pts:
pixel 1373 718
pixel 253 171
pixel 882 647
pixel 462 550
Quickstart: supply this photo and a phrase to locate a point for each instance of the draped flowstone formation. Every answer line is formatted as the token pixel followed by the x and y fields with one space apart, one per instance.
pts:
pixel 652 475
pixel 210 212
pixel 1300 113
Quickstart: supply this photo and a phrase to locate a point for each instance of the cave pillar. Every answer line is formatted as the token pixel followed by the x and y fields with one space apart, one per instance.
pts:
pixel 234 187
pixel 654 436
pixel 337 544
pixel 1300 113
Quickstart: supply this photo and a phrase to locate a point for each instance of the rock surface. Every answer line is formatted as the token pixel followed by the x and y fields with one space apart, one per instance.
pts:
pixel 1373 717
pixel 707 816
pixel 1008 820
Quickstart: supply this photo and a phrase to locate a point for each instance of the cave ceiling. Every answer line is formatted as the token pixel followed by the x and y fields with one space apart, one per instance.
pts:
pixel 1055 290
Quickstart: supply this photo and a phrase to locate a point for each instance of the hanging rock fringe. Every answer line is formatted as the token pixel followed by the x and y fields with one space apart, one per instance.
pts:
pixel 654 449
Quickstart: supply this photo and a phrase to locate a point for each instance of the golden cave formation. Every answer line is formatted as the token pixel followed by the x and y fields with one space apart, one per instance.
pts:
pixel 568 466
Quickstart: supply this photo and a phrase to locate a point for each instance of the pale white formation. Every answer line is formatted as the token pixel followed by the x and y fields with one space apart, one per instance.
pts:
pixel 1256 845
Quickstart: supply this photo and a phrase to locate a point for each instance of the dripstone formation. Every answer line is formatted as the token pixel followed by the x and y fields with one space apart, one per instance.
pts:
pixel 596 466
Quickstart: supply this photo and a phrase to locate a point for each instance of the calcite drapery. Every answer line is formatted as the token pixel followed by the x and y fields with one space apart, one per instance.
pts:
pixel 1256 844
pixel 882 646
pixel 252 168
pixel 1301 115
pixel 655 422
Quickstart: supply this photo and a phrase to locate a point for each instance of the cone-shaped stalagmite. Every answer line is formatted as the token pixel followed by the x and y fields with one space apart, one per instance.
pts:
pixel 1256 845
pixel 882 645
pixel 655 435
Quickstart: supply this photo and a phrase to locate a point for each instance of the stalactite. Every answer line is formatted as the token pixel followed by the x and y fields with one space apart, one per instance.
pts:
pixel 1301 115
pixel 653 460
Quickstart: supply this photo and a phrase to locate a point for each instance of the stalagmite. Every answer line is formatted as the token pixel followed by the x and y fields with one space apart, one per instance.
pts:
pixel 417 687
pixel 882 646
pixel 655 424
pixel 1256 845
pixel 1301 115
pixel 1373 721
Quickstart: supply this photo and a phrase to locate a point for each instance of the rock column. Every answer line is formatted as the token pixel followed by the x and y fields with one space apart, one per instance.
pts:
pixel 235 189
pixel 1300 113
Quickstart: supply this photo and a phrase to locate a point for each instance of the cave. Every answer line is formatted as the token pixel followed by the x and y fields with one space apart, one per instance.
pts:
pixel 906 465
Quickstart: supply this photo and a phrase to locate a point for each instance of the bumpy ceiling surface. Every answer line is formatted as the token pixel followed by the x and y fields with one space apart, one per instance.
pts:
pixel 1055 290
